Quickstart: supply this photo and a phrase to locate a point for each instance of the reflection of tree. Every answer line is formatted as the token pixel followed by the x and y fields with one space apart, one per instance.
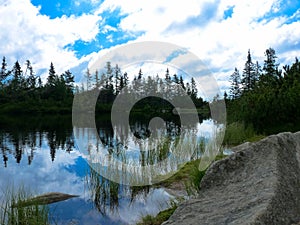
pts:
pixel 4 149
pixel 19 136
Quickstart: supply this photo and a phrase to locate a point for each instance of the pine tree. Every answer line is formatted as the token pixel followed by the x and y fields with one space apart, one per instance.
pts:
pixel 188 89
pixel 88 77
pixel 248 77
pixel 167 76
pixel 270 65
pixel 257 71
pixel 181 82
pixel 140 74
pixel 3 72
pixel 235 79
pixel 194 90
pixel 51 79
pixel 225 95
pixel 175 78
pixel 17 80
pixel 97 80
pixel 69 80
pixel 271 75
pixel 109 75
pixel 31 79
pixel 40 83
pixel 125 79
pixel 117 79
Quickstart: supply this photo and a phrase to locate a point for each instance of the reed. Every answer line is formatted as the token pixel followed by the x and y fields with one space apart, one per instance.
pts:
pixel 12 214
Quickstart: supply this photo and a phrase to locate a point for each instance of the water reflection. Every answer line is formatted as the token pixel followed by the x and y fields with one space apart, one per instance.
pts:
pixel 40 153
pixel 140 153
pixel 22 137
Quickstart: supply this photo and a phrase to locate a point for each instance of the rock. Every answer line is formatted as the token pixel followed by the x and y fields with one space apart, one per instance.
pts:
pixel 258 184
pixel 44 199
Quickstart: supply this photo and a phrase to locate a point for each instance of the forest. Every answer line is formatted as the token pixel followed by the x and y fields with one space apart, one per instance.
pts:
pixel 21 91
pixel 265 97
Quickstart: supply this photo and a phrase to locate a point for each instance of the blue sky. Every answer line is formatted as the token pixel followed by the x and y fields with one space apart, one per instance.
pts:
pixel 74 33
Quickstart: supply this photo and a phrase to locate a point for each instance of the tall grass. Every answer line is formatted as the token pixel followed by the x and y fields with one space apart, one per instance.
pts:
pixel 237 133
pixel 13 214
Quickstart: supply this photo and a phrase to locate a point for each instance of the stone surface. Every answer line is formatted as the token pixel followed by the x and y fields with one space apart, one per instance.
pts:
pixel 45 199
pixel 258 184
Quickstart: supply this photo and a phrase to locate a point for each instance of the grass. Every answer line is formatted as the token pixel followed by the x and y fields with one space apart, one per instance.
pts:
pixel 160 217
pixel 11 214
pixel 183 174
pixel 237 133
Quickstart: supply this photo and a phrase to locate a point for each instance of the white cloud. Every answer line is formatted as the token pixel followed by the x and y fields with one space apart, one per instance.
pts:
pixel 26 34
pixel 221 44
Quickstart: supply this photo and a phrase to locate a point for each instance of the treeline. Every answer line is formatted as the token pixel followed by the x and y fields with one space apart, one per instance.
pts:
pixel 112 81
pixel 267 97
pixel 21 91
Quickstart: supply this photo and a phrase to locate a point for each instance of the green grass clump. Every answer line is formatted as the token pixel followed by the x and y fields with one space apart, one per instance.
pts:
pixel 193 184
pixel 160 217
pixel 237 133
pixel 12 214
pixel 183 174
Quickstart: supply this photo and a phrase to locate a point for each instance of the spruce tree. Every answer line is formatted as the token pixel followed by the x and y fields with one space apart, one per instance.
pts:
pixel 51 79
pixel 117 79
pixel 17 79
pixel 88 77
pixel 271 74
pixel 140 74
pixel 167 76
pixel 3 71
pixel 194 90
pixel 31 79
pixel 69 80
pixel 181 82
pixel 270 66
pixel 235 80
pixel 248 77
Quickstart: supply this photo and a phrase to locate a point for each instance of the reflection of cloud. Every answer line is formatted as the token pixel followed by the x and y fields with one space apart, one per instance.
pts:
pixel 43 175
pixel 156 201
pixel 67 174
pixel 84 213
pixel 206 129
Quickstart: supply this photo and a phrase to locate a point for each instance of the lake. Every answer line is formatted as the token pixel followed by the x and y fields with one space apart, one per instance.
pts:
pixel 41 153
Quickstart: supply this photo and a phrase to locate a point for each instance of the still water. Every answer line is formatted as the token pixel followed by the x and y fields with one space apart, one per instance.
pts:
pixel 40 153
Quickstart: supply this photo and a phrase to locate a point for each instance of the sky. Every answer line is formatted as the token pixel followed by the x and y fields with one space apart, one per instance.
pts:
pixel 75 33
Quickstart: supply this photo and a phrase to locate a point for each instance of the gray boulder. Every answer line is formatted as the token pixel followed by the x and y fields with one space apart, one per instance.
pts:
pixel 258 184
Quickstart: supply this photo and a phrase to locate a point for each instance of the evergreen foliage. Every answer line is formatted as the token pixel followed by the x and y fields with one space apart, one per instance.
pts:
pixel 272 104
pixel 24 92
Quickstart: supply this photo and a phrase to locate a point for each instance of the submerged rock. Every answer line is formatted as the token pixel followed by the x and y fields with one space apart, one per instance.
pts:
pixel 44 199
pixel 258 184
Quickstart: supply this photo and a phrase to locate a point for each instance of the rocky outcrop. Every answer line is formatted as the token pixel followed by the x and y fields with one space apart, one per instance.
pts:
pixel 258 184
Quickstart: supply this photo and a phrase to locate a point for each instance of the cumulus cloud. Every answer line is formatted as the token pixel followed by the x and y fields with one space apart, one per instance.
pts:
pixel 221 42
pixel 26 34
